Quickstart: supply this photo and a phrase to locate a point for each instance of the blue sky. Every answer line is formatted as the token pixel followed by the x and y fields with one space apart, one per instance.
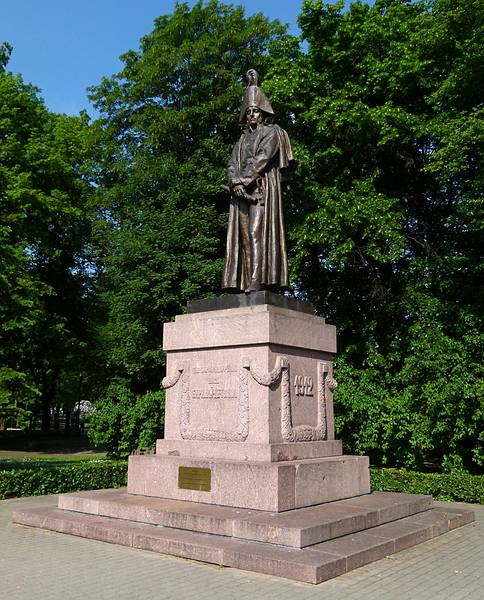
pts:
pixel 64 46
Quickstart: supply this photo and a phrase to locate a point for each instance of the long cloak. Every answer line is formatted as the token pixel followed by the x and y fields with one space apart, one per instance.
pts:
pixel 264 156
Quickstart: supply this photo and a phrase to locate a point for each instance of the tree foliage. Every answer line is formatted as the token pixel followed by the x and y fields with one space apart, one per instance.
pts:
pixel 387 111
pixel 384 106
pixel 43 229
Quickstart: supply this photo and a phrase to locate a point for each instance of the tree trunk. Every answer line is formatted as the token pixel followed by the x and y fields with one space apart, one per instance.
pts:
pixel 76 420
pixel 33 420
pixel 67 417
pixel 56 418
pixel 48 388
pixel 45 406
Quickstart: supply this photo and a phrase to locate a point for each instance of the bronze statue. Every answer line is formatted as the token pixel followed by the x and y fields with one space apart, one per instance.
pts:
pixel 256 256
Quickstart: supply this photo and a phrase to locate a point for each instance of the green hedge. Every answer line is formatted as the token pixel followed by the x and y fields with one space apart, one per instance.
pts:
pixel 454 487
pixel 37 480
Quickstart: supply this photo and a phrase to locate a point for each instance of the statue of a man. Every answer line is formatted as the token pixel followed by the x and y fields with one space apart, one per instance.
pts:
pixel 256 256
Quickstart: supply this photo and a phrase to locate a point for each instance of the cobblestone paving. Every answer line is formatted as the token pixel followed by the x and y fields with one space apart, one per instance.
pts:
pixel 41 565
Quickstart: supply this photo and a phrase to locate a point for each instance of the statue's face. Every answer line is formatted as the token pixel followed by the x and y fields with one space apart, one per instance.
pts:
pixel 254 116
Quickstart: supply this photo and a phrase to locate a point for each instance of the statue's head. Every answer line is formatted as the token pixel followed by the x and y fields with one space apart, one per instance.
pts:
pixel 254 100
pixel 254 116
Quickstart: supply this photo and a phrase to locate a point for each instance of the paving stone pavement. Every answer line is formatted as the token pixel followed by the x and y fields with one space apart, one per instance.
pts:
pixel 42 565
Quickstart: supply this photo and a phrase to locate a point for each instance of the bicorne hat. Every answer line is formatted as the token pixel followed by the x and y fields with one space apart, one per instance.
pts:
pixel 254 96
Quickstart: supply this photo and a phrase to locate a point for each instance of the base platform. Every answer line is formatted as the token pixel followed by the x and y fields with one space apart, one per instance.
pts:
pixel 309 544
pixel 257 485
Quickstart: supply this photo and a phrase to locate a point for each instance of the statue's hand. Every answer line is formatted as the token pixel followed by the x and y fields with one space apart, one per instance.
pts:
pixel 238 191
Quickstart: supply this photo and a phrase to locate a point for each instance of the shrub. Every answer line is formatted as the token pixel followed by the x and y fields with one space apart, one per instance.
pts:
pixel 45 478
pixel 123 422
pixel 454 487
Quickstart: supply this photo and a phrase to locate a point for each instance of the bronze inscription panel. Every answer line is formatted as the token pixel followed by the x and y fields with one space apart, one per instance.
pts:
pixel 195 478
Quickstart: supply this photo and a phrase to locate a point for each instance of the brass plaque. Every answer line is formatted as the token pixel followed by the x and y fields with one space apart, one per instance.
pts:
pixel 195 478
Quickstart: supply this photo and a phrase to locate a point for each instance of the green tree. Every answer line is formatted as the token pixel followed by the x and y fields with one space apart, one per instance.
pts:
pixel 387 112
pixel 5 51
pixel 43 231
pixel 168 121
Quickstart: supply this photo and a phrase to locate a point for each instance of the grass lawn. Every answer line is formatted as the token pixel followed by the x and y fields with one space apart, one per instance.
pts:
pixel 51 446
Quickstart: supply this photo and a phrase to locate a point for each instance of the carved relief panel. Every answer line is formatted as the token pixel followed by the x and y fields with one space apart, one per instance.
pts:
pixel 213 398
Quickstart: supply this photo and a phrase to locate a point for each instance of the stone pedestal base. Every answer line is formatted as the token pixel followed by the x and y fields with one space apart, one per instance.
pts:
pixel 250 475
pixel 249 409
pixel 309 544
pixel 249 376
pixel 271 486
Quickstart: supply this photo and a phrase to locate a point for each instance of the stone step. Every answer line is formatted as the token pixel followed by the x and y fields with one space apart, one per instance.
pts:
pixel 314 564
pixel 296 528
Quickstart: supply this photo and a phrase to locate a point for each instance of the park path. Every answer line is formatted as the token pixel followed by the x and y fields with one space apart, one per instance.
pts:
pixel 39 564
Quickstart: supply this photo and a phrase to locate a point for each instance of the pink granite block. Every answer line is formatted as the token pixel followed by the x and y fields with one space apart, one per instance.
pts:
pixel 178 514
pixel 249 326
pixel 266 529
pixel 52 519
pixel 457 516
pixel 136 508
pixel 389 506
pixel 358 549
pixel 77 524
pixel 196 519
pixel 301 527
pixel 32 517
pixel 87 501
pixel 335 522
pixel 329 479
pixel 286 486
pixel 201 547
pixel 109 531
pixel 69 502
pixel 438 521
pixel 404 534
pixel 219 395
pixel 232 385
pixel 261 486
pixel 304 450
pixel 185 544
pixel 174 513
pixel 301 565
pixel 129 511
pixel 445 519
pixel 254 484
pixel 276 452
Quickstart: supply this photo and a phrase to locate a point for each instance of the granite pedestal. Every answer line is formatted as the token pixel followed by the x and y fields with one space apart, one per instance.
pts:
pixel 249 404
pixel 250 474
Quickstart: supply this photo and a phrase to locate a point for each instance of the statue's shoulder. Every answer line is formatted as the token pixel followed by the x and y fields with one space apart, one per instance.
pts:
pixel 273 126
pixel 287 156
pixel 274 129
pixel 270 129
